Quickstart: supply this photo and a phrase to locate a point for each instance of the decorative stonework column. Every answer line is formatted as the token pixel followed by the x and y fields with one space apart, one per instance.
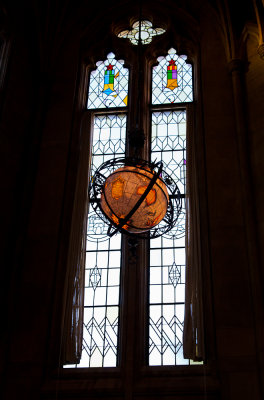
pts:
pixel 259 11
pixel 237 70
pixel 261 51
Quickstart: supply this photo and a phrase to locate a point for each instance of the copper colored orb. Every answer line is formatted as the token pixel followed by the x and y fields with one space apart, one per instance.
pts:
pixel 121 192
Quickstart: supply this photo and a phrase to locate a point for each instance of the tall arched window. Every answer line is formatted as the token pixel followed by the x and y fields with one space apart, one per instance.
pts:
pixel 135 289
pixel 107 92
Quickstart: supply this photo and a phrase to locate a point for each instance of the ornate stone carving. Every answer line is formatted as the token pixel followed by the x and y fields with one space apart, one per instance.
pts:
pixel 261 51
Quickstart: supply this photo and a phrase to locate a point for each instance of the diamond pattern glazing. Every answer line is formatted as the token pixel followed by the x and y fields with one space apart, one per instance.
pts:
pixel 172 80
pixel 108 86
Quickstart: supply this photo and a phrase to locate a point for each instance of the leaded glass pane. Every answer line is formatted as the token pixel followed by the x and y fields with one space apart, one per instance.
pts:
pixel 146 32
pixel 108 85
pixel 103 259
pixel 172 80
pixel 167 253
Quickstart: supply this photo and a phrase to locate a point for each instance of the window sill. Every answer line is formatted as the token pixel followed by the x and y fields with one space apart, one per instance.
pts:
pixel 180 382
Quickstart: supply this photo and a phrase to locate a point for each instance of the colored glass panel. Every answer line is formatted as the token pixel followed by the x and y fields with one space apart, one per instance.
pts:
pixel 172 80
pixel 108 86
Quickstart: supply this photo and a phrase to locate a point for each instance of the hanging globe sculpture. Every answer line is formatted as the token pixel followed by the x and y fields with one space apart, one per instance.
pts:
pixel 123 192
pixel 132 197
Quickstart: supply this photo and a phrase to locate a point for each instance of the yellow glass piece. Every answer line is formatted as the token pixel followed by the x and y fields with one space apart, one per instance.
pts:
pixel 108 87
pixel 172 84
pixel 125 100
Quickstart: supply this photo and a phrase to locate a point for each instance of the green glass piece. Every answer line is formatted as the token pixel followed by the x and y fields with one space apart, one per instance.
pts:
pixel 108 87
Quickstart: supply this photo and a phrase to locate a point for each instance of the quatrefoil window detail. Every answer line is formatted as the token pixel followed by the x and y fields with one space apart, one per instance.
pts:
pixel 147 32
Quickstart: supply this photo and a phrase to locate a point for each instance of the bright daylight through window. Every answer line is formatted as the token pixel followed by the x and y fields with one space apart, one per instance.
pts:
pixel 171 88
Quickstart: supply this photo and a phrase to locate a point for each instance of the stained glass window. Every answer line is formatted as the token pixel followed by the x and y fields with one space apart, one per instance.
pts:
pixel 146 32
pixel 108 88
pixel 167 253
pixel 172 80
pixel 103 259
pixel 108 85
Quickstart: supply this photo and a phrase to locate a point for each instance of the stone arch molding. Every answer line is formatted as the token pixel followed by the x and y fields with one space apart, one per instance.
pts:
pixel 182 29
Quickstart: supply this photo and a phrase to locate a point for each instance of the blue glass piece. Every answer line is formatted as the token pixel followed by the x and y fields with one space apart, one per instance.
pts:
pixel 108 87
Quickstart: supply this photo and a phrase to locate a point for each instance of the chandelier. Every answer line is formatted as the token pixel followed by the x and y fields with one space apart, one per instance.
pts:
pixel 135 197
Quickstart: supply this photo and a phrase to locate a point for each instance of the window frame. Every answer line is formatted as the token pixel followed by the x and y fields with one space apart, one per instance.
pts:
pixel 146 153
pixel 119 380
pixel 142 253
